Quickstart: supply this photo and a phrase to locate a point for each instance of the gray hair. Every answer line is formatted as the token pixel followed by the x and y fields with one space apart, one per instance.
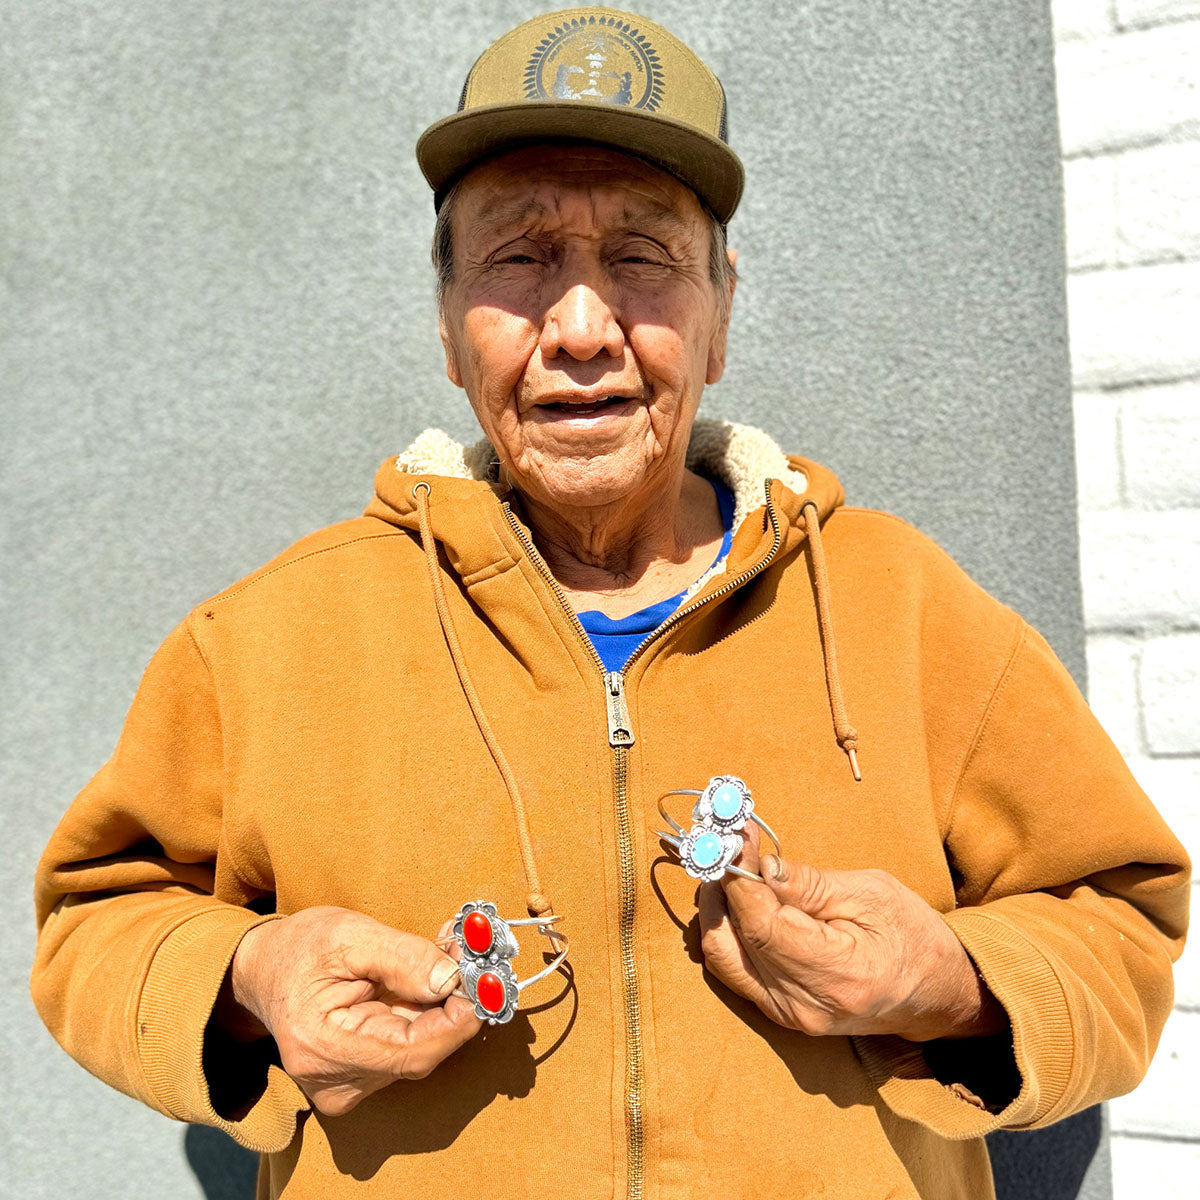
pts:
pixel 720 270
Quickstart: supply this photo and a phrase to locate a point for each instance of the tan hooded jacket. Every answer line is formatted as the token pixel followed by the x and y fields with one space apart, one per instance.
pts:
pixel 303 738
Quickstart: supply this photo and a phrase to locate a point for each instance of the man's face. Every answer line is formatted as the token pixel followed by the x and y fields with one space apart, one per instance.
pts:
pixel 582 320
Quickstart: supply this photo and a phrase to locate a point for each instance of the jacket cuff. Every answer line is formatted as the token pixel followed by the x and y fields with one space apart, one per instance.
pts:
pixel 1028 988
pixel 173 1013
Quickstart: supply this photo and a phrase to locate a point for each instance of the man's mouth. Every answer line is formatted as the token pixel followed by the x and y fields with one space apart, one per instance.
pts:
pixel 585 408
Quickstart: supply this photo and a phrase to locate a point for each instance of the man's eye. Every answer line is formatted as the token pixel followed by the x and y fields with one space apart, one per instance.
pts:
pixel 514 259
pixel 640 258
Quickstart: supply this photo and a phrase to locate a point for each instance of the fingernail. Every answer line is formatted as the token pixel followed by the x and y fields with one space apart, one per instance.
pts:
pixel 774 868
pixel 443 979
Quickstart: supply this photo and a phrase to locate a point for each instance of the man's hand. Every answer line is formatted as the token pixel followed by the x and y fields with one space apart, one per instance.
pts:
pixel 842 952
pixel 352 1004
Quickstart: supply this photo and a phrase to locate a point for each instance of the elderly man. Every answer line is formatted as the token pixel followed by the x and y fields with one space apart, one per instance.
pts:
pixel 539 675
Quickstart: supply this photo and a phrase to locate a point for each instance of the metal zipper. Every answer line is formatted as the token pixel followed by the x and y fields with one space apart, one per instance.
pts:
pixel 627 913
pixel 620 738
pixel 620 728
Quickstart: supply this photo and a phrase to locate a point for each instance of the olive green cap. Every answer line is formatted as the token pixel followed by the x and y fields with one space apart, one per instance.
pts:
pixel 595 75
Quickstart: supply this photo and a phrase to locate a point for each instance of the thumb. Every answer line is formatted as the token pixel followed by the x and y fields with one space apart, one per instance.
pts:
pixel 823 895
pixel 410 967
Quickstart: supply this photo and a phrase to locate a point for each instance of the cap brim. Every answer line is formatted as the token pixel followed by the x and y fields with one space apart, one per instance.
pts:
pixel 703 162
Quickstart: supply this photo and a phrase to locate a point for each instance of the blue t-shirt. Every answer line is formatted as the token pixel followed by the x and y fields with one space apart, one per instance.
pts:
pixel 615 640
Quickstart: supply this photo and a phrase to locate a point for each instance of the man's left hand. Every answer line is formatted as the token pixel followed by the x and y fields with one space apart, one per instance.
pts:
pixel 842 952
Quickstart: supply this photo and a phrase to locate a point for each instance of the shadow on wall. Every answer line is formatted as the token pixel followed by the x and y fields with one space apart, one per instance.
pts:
pixel 1047 1165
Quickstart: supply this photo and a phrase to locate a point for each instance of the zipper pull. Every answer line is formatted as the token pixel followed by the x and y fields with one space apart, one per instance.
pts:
pixel 620 728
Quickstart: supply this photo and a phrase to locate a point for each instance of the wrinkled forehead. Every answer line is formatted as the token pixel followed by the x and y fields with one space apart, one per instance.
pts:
pixel 551 186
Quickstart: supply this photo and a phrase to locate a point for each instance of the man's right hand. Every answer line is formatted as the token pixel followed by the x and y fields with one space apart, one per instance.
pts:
pixel 352 1004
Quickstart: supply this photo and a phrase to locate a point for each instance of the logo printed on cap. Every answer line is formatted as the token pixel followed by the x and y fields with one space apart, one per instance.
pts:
pixel 603 60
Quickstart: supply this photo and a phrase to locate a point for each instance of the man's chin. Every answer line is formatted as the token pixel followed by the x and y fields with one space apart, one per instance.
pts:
pixel 585 480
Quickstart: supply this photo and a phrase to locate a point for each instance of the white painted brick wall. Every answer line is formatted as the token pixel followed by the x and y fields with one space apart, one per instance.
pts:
pixel 1134 13
pixel 1090 195
pixel 1139 570
pixel 1160 428
pixel 1135 208
pixel 1187 975
pixel 1170 683
pixel 1165 1103
pixel 1112 664
pixel 1099 461
pixel 1080 19
pixel 1174 786
pixel 1129 89
pixel 1129 113
pixel 1156 202
pixel 1149 1169
pixel 1135 326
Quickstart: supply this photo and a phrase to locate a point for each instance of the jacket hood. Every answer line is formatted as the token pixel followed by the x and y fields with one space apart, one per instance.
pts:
pixel 459 490
pixel 740 456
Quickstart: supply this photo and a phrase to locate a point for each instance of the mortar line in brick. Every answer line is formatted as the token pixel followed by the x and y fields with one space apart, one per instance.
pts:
pixel 1152 23
pixel 1170 142
pixel 1119 425
pixel 1188 130
pixel 1139 1136
pixel 1168 259
pixel 1151 629
pixel 1139 704
pixel 1114 238
pixel 1137 385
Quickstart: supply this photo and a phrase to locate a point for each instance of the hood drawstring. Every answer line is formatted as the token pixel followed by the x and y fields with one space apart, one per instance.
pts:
pixel 847 735
pixel 536 901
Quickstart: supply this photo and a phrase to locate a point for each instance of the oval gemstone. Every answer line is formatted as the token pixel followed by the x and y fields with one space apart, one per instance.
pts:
pixel 706 850
pixel 726 802
pixel 477 933
pixel 490 990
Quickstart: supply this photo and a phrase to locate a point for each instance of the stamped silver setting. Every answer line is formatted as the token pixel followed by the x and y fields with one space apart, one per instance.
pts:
pixel 487 943
pixel 707 850
pixel 714 805
pixel 493 987
pixel 698 847
pixel 502 944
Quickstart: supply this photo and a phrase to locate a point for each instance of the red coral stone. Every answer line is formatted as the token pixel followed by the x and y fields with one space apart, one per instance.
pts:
pixel 490 990
pixel 477 933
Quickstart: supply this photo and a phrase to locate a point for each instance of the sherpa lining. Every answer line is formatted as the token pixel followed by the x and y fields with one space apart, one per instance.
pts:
pixel 740 456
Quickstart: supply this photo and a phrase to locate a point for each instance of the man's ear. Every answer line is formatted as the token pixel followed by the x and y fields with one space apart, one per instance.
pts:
pixel 452 371
pixel 716 348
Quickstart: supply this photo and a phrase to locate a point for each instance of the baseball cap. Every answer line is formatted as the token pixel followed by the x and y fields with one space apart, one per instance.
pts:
pixel 596 75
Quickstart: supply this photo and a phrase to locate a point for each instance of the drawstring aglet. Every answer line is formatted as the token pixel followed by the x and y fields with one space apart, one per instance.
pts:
pixel 853 756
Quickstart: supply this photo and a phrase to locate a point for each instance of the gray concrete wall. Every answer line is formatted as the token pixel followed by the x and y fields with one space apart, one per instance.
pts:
pixel 216 320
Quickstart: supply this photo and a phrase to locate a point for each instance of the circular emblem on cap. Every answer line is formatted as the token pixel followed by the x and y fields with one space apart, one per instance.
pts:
pixel 600 59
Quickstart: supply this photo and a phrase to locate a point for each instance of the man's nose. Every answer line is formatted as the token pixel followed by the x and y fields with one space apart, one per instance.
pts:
pixel 581 322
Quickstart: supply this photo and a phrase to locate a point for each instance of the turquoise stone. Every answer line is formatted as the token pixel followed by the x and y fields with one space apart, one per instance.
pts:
pixel 706 850
pixel 726 802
